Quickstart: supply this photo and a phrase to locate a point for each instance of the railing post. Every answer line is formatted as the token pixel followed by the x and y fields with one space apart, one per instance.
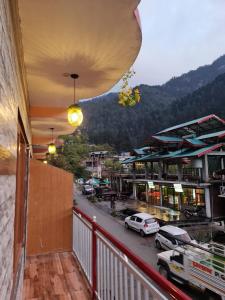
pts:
pixel 94 259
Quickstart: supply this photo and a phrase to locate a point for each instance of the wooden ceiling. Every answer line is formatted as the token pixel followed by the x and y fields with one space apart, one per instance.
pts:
pixel 98 39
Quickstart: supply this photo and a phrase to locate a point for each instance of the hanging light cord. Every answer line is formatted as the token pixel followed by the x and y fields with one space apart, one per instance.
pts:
pixel 74 88
pixel 52 134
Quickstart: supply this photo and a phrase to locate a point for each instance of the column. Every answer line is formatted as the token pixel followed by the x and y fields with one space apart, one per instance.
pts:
pixel 179 171
pixel 160 169
pixel 146 170
pixel 147 190
pixel 134 190
pixel 205 168
pixel 207 203
pixel 121 185
pixel 161 195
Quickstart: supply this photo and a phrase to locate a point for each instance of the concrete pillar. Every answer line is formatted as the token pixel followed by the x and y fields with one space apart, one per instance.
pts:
pixel 205 168
pixel 146 170
pixel 179 171
pixel 134 190
pixel 208 203
pixel 121 185
pixel 222 163
pixel 147 190
pixel 161 196
pixel 160 169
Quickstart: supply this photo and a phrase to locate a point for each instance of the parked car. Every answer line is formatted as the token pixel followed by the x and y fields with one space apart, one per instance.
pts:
pixel 87 189
pixel 166 237
pixel 142 223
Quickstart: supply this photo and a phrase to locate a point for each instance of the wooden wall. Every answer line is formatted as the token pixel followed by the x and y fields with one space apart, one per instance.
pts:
pixel 49 209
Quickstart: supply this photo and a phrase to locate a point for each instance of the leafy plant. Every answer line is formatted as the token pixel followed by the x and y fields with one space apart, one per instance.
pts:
pixel 127 96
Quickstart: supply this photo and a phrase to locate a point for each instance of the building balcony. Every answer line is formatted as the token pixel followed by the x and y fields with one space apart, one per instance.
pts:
pixel 99 267
pixel 54 276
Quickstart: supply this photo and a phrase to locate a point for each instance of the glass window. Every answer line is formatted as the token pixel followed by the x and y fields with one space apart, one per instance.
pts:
pixel 132 218
pixel 184 237
pixel 139 220
pixel 150 221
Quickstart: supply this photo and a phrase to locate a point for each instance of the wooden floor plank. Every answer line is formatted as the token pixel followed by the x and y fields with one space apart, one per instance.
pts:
pixel 55 277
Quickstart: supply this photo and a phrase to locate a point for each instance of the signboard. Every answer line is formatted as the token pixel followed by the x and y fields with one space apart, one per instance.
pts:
pixel 178 187
pixel 222 191
pixel 151 185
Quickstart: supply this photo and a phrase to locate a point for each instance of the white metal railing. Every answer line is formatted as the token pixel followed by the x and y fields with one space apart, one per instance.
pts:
pixel 112 270
pixel 82 244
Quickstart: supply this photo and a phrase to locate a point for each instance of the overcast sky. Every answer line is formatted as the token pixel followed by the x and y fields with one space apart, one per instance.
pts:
pixel 178 36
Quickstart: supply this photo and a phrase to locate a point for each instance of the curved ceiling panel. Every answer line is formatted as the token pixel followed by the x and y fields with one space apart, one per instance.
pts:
pixel 99 40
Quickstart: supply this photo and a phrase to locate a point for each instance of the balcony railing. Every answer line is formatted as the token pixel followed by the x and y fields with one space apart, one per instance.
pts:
pixel 112 270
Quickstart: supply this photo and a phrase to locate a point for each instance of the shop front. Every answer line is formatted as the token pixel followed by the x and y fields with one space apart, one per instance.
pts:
pixel 174 196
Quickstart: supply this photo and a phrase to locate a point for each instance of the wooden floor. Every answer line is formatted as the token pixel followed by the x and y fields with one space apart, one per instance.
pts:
pixel 53 276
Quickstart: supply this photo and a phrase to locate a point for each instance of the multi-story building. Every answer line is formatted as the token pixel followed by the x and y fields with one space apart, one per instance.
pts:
pixel 183 167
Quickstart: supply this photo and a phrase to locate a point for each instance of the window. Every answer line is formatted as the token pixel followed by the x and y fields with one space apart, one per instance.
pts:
pixel 132 218
pixel 150 221
pixel 21 195
pixel 139 220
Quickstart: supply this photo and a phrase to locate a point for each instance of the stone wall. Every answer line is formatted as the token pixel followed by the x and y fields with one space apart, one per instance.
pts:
pixel 12 98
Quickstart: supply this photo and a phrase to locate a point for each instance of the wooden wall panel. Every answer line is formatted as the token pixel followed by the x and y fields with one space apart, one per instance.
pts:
pixel 49 209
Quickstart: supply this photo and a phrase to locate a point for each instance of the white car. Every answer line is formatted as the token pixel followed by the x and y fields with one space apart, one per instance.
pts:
pixel 166 237
pixel 142 223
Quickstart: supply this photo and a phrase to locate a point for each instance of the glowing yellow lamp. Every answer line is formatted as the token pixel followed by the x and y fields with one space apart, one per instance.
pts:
pixel 52 148
pixel 75 115
pixel 45 162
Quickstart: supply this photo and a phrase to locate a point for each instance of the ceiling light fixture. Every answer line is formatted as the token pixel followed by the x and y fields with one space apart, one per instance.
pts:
pixel 74 112
pixel 51 146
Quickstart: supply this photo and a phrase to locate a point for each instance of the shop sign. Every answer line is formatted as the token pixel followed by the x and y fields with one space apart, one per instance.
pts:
pixel 222 191
pixel 151 185
pixel 178 187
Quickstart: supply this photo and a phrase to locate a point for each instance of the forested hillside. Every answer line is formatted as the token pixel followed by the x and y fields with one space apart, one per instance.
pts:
pixel 107 122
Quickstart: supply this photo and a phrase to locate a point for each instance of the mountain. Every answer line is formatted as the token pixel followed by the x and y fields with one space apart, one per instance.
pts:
pixel 209 99
pixel 193 80
pixel 105 121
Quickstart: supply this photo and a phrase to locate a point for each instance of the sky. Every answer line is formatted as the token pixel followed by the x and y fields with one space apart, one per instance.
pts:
pixel 178 36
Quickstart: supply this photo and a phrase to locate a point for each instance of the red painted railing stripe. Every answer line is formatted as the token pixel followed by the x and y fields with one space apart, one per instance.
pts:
pixel 167 286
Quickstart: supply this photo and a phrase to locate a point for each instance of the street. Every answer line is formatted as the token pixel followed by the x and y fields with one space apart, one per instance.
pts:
pixel 142 247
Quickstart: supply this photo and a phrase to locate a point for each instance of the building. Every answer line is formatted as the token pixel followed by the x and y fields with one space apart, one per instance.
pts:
pixel 42 42
pixel 182 167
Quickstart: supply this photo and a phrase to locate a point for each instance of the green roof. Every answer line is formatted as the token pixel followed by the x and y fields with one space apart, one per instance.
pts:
pixel 192 127
pixel 129 160
pixel 170 139
pixel 211 135
pixel 195 142
pixel 198 152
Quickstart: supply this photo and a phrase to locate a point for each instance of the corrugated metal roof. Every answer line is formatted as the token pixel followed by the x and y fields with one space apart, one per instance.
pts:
pixel 169 139
pixel 198 152
pixel 211 135
pixel 194 122
pixel 195 142
pixel 129 160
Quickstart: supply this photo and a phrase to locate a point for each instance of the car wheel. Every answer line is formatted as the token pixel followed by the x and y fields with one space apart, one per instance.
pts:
pixel 142 233
pixel 158 245
pixel 164 271
pixel 127 226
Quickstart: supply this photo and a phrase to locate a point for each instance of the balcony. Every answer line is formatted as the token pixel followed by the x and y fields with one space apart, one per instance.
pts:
pixel 54 276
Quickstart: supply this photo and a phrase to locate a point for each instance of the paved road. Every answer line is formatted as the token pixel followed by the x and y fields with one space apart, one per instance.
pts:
pixel 143 247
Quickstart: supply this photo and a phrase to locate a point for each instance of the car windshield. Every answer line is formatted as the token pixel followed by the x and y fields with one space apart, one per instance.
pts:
pixel 184 237
pixel 149 221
